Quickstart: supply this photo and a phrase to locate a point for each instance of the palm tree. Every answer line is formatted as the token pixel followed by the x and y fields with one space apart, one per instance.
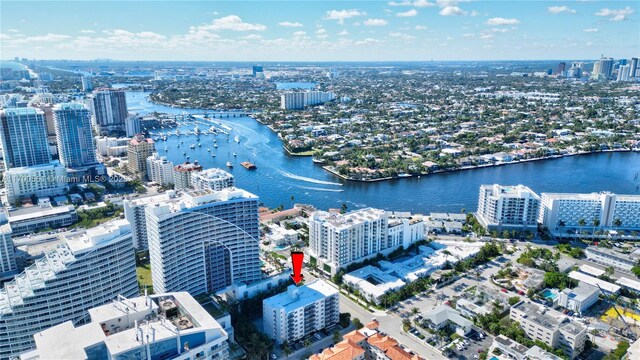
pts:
pixel 617 223
pixel 286 349
pixel 414 311
pixel 595 223
pixel 581 223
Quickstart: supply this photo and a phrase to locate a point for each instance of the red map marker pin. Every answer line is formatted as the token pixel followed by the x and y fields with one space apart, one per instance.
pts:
pixel 296 259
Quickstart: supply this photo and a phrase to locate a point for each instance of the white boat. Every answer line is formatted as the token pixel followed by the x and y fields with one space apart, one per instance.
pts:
pixel 193 146
pixel 166 148
pixel 208 150
pixel 236 139
pixel 199 145
pixel 229 164
pixel 215 146
pixel 234 154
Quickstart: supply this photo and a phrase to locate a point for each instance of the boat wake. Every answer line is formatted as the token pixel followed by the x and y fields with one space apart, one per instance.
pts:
pixel 319 189
pixel 302 178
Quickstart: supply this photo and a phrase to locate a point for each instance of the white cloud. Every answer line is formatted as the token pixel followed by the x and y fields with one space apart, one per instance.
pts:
pixel 468 35
pixel 233 23
pixel 321 31
pixel 300 33
pixel 13 30
pixel 409 13
pixel 486 36
pixel 87 31
pixel 560 9
pixel 451 11
pixel 415 3
pixel 498 21
pixel 290 24
pixel 474 13
pixel 343 33
pixel 341 15
pixel 252 37
pixel 367 41
pixel 375 22
pixel 420 27
pixel 615 15
pixel 500 30
pixel 402 36
pixel 47 38
pixel 590 30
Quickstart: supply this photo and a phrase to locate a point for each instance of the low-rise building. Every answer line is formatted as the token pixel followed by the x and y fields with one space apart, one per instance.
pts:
pixel 368 343
pixel 30 219
pixel 162 326
pixel 605 286
pixel 511 348
pixel 610 257
pixel 578 299
pixel 550 327
pixel 281 236
pixel 300 311
pixel 629 284
pixel 372 282
pixel 443 316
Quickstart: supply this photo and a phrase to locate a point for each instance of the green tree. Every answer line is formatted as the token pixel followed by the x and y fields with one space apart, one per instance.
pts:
pixel 356 323
pixel 336 337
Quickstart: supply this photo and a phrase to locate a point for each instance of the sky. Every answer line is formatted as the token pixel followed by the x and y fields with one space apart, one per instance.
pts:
pixel 400 30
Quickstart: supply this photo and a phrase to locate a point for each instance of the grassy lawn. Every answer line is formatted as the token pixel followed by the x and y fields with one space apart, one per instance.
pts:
pixel 144 277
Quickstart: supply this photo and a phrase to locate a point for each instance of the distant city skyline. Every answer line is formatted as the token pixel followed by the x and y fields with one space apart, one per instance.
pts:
pixel 402 30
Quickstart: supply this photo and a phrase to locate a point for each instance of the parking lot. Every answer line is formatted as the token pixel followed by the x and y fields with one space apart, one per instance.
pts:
pixel 471 347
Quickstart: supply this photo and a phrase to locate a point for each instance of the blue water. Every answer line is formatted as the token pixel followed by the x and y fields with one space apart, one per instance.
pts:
pixel 280 176
pixel 295 85
pixel 549 294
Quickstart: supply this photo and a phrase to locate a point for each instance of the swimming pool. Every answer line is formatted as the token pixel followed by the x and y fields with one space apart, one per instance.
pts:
pixel 549 294
pixel 494 358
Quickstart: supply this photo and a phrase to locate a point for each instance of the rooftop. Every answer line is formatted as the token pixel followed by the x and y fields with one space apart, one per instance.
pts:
pixel 514 346
pixel 604 285
pixel 591 270
pixel 125 324
pixel 629 283
pixel 547 318
pixel 56 256
pixel 299 296
pixel 374 281
pixel 195 198
pixel 344 221
pixel 31 212
pixel 581 292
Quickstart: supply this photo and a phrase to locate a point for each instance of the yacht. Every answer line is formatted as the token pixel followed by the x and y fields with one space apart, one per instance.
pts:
pixel 229 164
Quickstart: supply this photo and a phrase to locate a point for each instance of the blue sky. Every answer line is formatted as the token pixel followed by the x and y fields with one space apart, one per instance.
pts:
pixel 320 30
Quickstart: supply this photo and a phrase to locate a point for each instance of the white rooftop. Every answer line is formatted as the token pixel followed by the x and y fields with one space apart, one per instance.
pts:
pixel 591 270
pixel 56 256
pixel 119 325
pixel 344 221
pixel 629 283
pixel 373 281
pixel 38 211
pixel 604 285
pixel 300 296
